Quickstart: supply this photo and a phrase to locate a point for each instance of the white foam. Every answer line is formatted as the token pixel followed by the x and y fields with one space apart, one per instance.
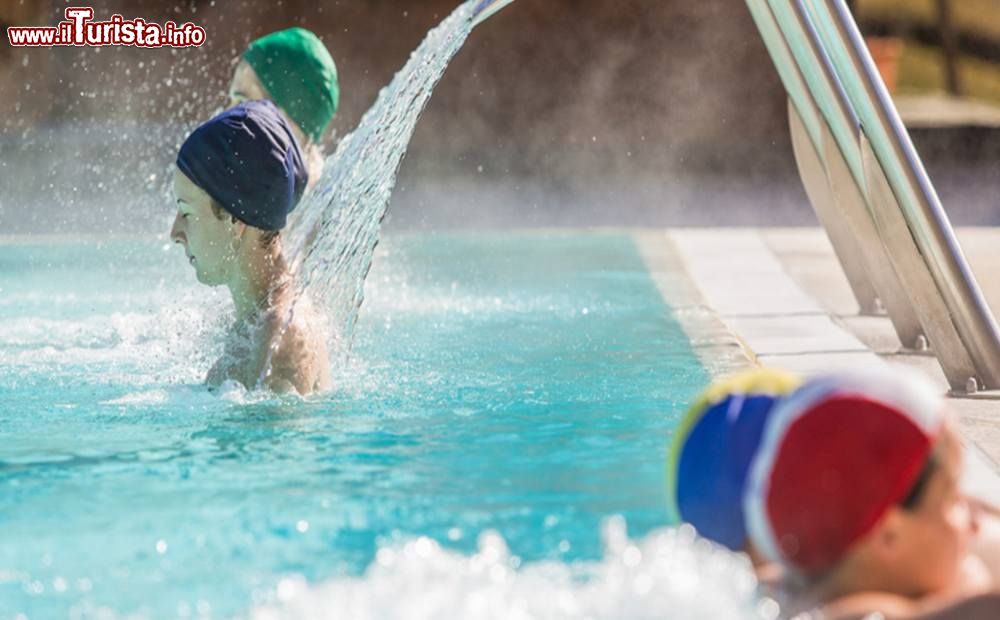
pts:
pixel 171 344
pixel 150 397
pixel 668 574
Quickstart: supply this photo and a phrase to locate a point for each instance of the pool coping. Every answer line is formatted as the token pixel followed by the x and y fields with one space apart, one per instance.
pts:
pixel 718 348
pixel 745 294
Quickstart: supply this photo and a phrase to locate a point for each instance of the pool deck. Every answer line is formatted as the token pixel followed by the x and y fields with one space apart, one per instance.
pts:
pixel 777 297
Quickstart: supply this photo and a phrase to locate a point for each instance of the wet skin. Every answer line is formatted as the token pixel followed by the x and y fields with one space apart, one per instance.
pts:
pixel 268 345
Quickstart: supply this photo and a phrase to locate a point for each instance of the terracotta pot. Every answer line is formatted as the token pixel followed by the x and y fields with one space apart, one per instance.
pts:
pixel 886 52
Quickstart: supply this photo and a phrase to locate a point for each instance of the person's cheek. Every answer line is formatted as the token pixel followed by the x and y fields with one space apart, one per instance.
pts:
pixel 961 520
pixel 986 544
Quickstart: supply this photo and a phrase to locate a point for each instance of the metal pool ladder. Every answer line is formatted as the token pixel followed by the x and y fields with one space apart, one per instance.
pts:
pixel 871 193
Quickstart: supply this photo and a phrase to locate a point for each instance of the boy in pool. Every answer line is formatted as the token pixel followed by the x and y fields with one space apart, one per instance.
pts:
pixel 854 491
pixel 293 69
pixel 238 177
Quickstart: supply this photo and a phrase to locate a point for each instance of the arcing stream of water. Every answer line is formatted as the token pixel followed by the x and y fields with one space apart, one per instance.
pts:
pixel 332 239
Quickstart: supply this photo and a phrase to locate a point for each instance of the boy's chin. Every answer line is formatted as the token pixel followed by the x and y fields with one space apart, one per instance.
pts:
pixel 207 279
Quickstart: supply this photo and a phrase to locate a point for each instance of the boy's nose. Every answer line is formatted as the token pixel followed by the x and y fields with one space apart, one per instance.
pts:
pixel 975 516
pixel 176 235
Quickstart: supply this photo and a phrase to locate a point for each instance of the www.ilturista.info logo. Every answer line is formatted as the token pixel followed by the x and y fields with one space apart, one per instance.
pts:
pixel 78 29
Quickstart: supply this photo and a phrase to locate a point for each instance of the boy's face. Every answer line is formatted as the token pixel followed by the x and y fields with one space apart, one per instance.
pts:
pixel 245 85
pixel 933 538
pixel 208 241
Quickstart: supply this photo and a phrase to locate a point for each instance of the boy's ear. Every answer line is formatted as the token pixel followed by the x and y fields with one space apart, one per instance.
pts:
pixel 890 532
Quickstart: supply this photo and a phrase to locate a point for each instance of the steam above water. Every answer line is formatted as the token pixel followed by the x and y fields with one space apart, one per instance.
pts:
pixel 525 129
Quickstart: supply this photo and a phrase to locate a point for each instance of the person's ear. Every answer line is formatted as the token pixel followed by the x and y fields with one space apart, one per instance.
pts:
pixel 239 229
pixel 236 231
pixel 890 532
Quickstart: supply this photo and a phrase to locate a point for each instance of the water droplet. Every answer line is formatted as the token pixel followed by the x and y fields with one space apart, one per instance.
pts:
pixel 768 609
pixel 424 546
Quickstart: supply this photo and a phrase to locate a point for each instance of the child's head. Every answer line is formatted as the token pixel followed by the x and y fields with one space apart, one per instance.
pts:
pixel 295 70
pixel 856 481
pixel 238 177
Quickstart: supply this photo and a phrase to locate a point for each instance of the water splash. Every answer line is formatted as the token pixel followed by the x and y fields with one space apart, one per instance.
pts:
pixel 668 574
pixel 333 236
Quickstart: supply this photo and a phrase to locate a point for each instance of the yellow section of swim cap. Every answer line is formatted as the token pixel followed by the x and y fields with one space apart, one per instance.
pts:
pixel 766 381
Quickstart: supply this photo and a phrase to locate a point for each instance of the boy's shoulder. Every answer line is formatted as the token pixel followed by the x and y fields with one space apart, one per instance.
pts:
pixel 298 353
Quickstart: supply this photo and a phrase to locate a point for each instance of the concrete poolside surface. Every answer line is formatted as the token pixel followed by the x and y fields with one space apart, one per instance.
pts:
pixel 778 297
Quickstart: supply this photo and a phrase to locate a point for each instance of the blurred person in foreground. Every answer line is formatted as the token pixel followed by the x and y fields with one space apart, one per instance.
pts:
pixel 238 176
pixel 854 491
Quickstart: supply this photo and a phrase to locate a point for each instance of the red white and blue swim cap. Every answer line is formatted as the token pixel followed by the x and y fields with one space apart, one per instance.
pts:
pixel 836 455
pixel 710 455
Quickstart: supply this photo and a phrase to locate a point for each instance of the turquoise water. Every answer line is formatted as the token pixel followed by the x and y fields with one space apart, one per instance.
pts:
pixel 524 384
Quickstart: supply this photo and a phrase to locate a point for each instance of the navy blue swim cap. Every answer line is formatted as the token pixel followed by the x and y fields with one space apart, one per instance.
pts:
pixel 248 161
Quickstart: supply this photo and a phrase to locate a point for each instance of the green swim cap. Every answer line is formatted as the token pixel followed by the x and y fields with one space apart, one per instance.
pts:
pixel 299 74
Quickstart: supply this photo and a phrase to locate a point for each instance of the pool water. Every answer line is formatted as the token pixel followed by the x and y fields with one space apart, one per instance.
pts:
pixel 518 384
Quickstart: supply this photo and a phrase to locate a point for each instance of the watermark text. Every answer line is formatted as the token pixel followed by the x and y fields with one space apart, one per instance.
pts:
pixel 79 29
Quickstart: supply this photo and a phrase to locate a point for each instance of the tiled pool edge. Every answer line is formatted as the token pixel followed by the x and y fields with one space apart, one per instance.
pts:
pixel 738 278
pixel 718 349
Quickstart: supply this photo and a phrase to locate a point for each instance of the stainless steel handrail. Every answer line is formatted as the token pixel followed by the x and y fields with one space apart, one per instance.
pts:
pixel 808 131
pixel 921 207
pixel 837 195
pixel 829 59
pixel 825 85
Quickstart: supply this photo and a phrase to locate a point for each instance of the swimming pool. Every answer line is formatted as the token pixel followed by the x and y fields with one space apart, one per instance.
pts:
pixel 524 383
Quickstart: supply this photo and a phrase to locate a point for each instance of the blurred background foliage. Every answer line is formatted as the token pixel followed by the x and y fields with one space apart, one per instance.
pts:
pixel 974 29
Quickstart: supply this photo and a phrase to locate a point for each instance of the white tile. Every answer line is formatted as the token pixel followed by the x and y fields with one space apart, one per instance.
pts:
pixel 814 363
pixel 777 335
pixel 738 275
